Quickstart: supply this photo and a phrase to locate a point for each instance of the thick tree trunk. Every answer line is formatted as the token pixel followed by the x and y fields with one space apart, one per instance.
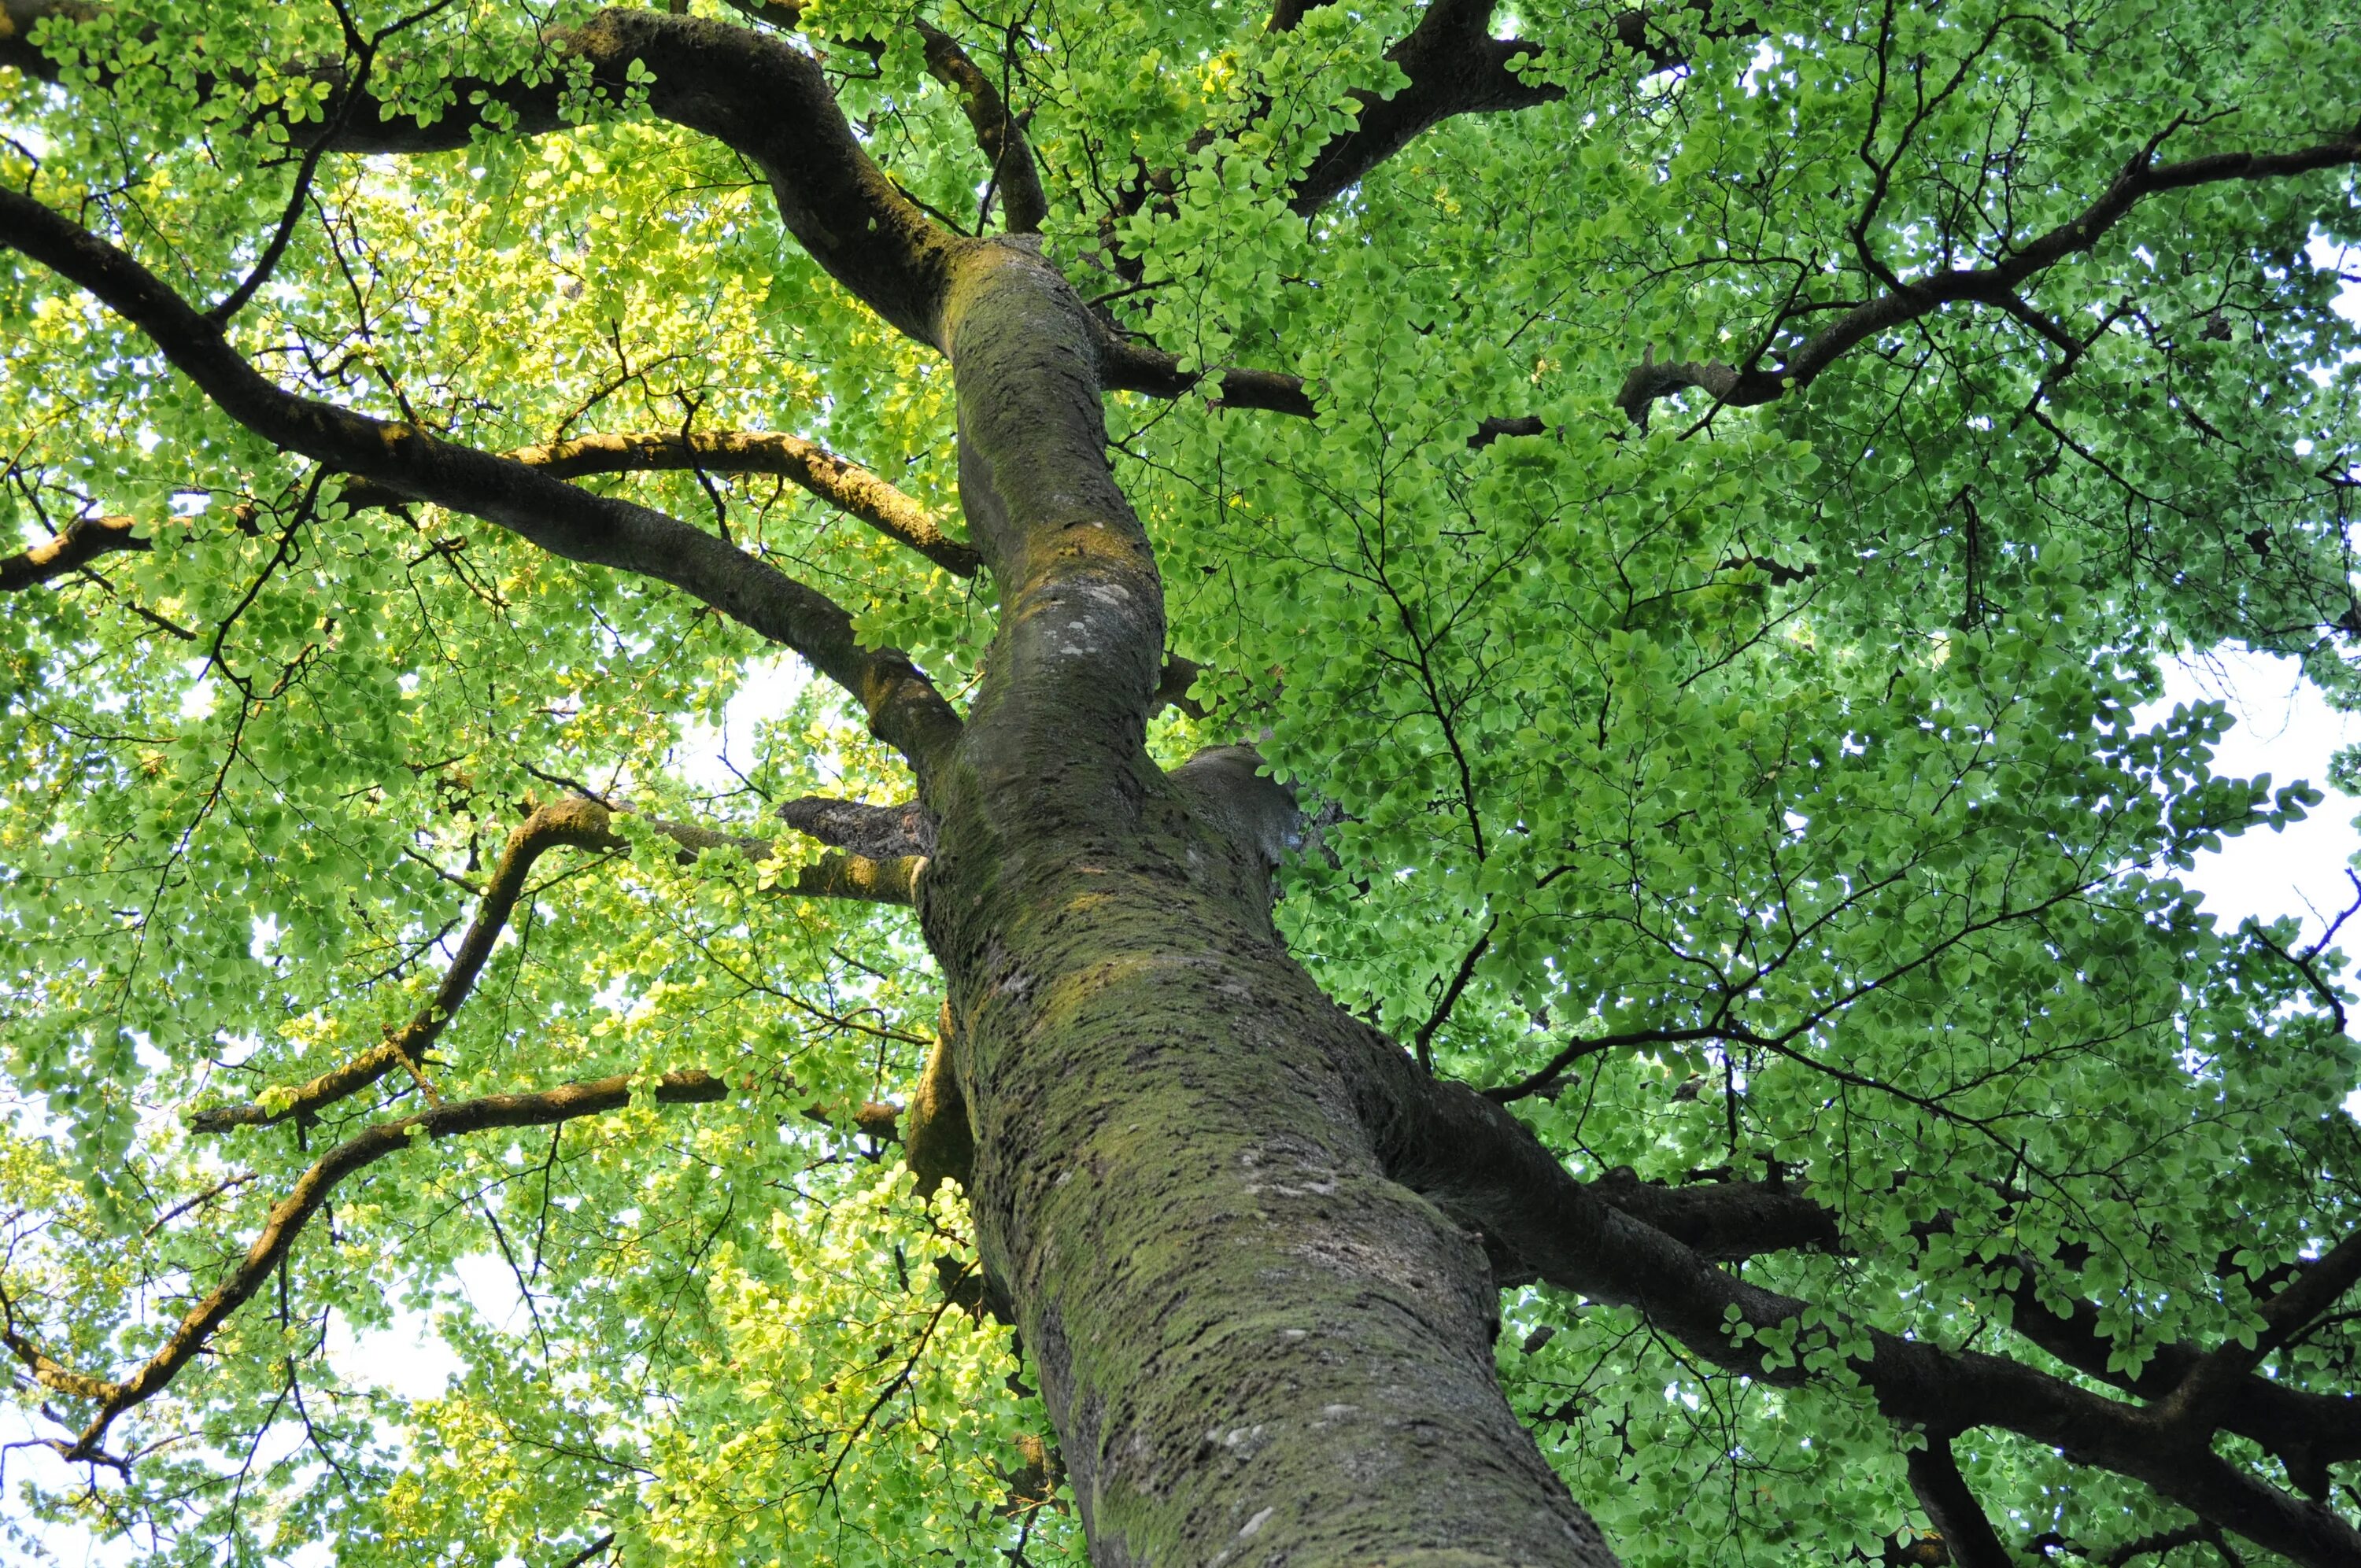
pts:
pixel 1257 1347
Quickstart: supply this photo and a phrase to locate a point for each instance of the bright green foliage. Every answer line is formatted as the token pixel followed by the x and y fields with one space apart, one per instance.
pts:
pixel 1803 729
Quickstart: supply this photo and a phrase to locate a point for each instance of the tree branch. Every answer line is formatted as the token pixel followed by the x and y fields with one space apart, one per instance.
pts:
pixel 1748 385
pixel 879 832
pixel 1423 1043
pixel 581 824
pixel 1727 1220
pixel 83 541
pixel 1015 177
pixel 2196 1405
pixel 1550 1074
pixel 1454 67
pixel 903 708
pixel 1468 1155
pixel 756 93
pixel 1125 366
pixel 1952 1509
pixel 1015 173
pixel 287 1217
pixel 842 484
pixel 890 878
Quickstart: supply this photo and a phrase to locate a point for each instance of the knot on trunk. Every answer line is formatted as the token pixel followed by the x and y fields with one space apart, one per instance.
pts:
pixel 937 1140
pixel 1230 792
pixel 879 832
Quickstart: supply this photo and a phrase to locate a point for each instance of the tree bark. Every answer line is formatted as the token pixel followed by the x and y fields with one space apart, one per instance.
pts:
pixel 1256 1345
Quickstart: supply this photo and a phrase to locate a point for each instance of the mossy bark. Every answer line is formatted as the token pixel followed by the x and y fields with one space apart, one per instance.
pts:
pixel 1257 1345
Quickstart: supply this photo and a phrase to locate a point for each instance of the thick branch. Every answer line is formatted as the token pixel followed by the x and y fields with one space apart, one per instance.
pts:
pixel 1015 177
pixel 2215 1381
pixel 903 708
pixel 1469 1156
pixel 2306 1431
pixel 287 1217
pixel 1727 1220
pixel 84 539
pixel 1952 1509
pixel 891 879
pixel 1454 68
pixel 1015 174
pixel 842 484
pixel 881 832
pixel 1750 385
pixel 758 94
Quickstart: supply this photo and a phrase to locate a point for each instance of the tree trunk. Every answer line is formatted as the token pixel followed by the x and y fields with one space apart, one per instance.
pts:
pixel 1256 1345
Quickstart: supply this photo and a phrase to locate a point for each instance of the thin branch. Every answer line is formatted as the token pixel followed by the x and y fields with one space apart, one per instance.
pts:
pixel 2306 963
pixel 228 1184
pixel 582 824
pixel 1548 1075
pixel 1492 430
pixel 577 823
pixel 288 1217
pixel 1423 1043
pixel 589 1552
pixel 1748 385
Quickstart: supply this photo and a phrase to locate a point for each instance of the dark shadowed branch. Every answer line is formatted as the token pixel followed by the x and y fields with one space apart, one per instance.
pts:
pixel 1456 67
pixel 1126 366
pixel 1952 1509
pixel 1999 286
pixel 81 541
pixel 1015 177
pixel 1467 1155
pixel 1728 1221
pixel 756 93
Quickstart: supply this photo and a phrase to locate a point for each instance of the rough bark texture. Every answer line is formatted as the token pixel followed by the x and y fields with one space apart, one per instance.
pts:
pixel 1256 1346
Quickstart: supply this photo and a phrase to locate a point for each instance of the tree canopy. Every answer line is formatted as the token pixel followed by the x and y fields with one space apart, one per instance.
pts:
pixel 1687 500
